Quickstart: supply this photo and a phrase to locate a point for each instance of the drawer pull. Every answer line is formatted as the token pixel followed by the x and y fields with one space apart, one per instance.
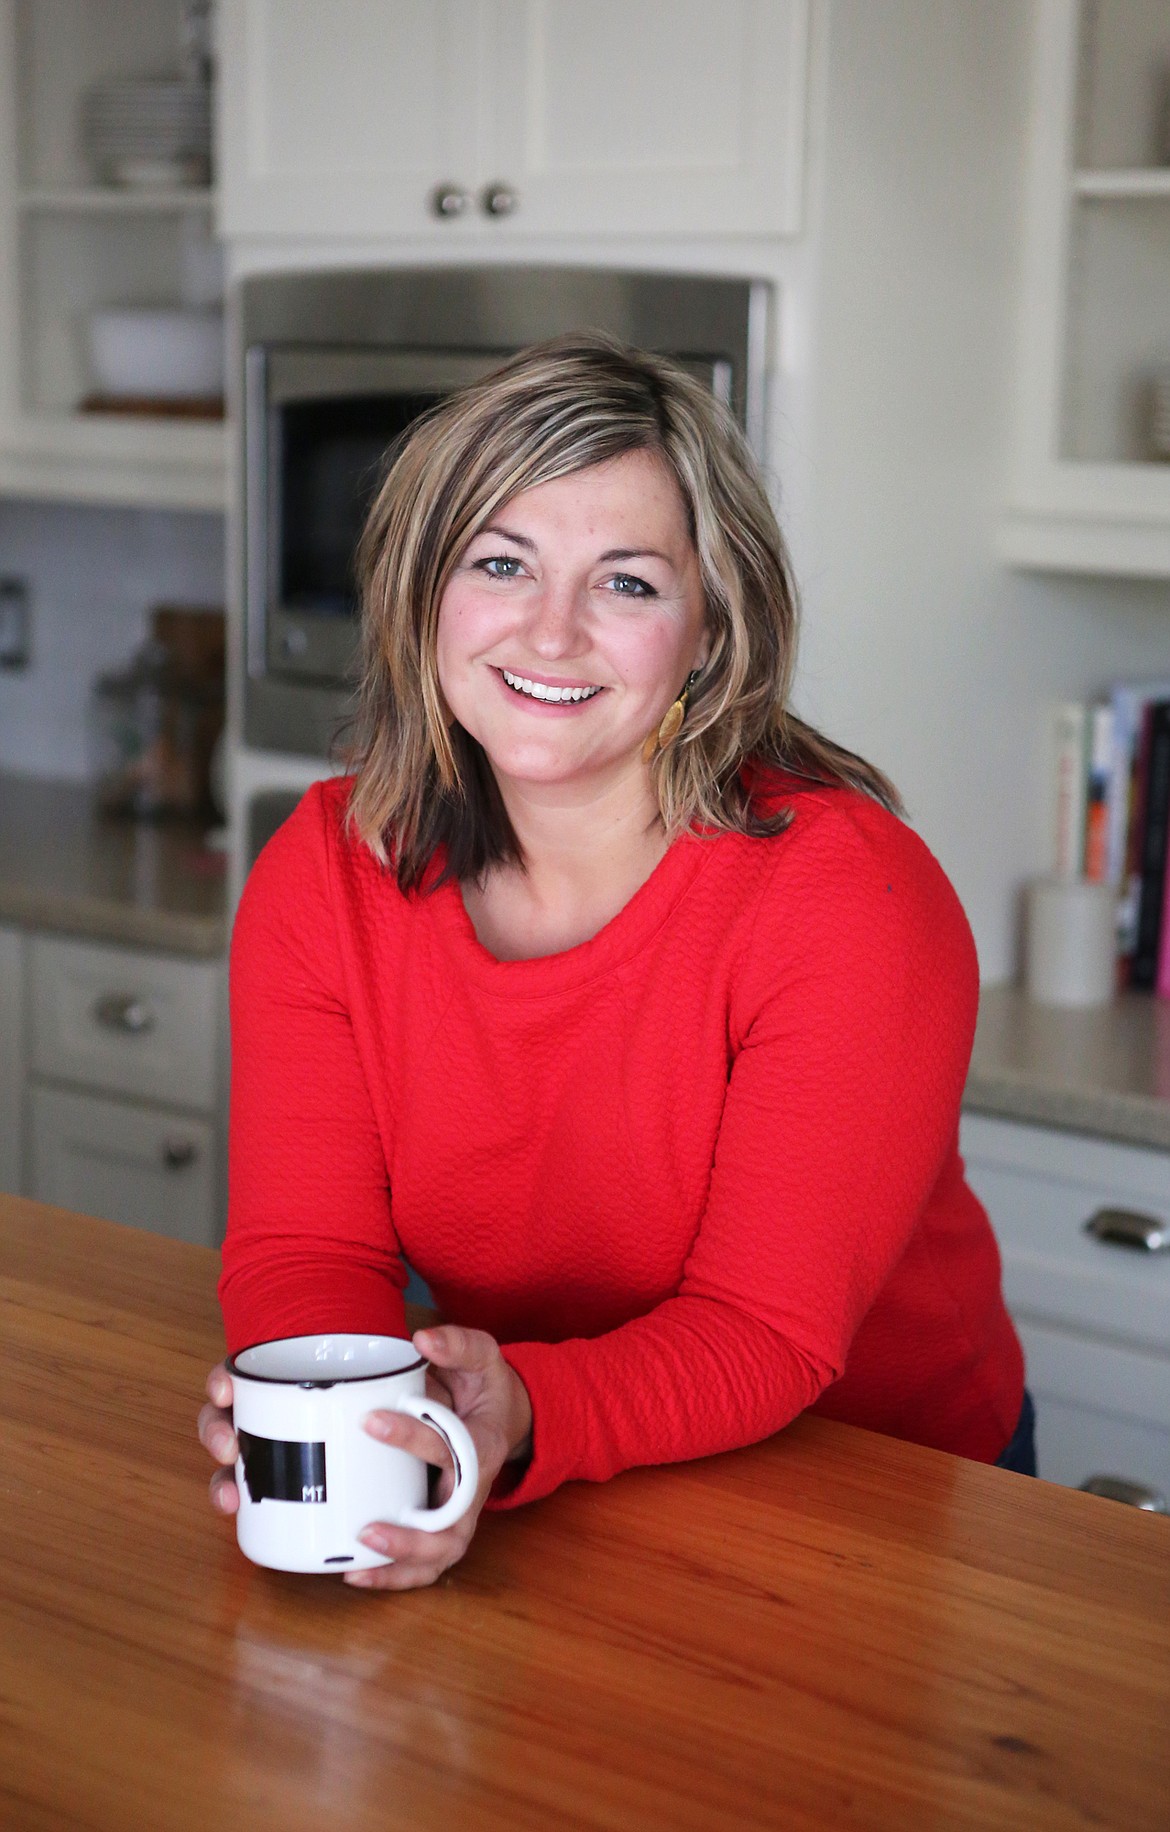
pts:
pixel 123 1012
pixel 448 201
pixel 1133 1494
pixel 1129 1228
pixel 177 1154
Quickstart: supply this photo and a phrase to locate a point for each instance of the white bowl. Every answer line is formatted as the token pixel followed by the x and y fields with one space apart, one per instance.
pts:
pixel 164 353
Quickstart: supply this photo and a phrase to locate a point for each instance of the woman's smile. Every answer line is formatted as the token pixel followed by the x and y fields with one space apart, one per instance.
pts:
pixel 543 692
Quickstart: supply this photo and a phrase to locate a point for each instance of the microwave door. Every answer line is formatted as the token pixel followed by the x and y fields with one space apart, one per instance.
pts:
pixel 321 427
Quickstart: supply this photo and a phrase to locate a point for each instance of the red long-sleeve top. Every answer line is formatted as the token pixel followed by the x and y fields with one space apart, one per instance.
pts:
pixel 696 1175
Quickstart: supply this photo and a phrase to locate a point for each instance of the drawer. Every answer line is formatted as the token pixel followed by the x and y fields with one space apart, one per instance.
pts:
pixel 1100 1410
pixel 129 1164
pixel 1040 1188
pixel 129 1022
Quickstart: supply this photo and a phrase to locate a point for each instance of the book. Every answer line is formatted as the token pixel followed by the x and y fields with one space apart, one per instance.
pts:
pixel 1129 700
pixel 1153 843
pixel 1069 783
pixel 1162 983
pixel 1095 864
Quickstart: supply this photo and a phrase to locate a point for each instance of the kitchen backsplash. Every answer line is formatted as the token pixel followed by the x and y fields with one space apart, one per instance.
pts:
pixel 92 575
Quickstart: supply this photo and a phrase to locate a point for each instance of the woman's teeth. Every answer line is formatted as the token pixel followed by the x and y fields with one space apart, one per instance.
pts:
pixel 539 691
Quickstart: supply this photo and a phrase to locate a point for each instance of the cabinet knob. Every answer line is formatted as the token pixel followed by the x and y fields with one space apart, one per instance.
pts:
pixel 1133 1494
pixel 124 1012
pixel 177 1154
pixel 1130 1228
pixel 498 200
pixel 447 200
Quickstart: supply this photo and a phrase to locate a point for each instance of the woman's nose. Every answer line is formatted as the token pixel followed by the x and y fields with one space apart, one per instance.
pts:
pixel 558 622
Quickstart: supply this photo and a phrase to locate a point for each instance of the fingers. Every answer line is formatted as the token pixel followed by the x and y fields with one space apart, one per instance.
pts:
pixel 219 1386
pixel 216 1434
pixel 419 1558
pixel 409 1434
pixel 452 1346
pixel 225 1496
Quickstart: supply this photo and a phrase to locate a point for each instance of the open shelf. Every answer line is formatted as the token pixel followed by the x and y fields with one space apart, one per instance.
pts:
pixel 1143 182
pixel 1091 491
pixel 107 201
pixel 70 246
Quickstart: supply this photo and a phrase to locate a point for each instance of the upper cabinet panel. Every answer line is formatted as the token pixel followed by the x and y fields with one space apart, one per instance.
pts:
pixel 344 120
pixel 476 118
pixel 673 116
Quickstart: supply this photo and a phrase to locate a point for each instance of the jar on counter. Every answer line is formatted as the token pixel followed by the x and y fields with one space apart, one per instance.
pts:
pixel 155 727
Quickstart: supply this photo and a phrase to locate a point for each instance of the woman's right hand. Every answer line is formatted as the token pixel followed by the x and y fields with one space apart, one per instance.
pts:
pixel 219 1440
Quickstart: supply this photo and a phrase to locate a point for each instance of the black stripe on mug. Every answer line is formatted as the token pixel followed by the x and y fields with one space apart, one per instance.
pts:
pixel 276 1471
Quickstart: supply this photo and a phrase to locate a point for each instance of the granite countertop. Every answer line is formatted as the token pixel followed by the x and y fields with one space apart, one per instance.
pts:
pixel 1104 1071
pixel 65 868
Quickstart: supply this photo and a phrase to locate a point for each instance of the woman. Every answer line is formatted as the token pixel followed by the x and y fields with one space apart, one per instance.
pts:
pixel 607 993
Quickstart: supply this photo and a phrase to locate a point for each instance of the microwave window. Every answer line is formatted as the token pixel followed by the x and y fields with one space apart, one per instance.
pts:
pixel 334 455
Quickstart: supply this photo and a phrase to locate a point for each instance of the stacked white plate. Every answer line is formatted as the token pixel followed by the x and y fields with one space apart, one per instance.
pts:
pixel 148 131
pixel 1160 414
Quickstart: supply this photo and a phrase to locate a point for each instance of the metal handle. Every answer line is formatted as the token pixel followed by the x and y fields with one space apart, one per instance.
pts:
pixel 498 200
pixel 125 1012
pixel 1133 1494
pixel 1130 1228
pixel 177 1154
pixel 447 200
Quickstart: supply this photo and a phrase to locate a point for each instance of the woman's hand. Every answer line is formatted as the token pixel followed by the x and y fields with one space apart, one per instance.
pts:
pixel 219 1439
pixel 469 1374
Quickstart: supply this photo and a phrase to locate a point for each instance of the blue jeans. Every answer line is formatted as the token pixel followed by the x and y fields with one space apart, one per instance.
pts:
pixel 1020 1454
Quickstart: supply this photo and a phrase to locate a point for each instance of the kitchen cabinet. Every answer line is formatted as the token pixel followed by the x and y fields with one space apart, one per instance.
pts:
pixel 69 246
pixel 124 1163
pixel 11 1061
pixel 1093 1315
pixel 1091 489
pixel 467 121
pixel 125 1085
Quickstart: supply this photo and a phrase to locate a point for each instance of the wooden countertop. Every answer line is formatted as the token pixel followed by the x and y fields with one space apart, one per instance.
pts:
pixel 64 868
pixel 829 1630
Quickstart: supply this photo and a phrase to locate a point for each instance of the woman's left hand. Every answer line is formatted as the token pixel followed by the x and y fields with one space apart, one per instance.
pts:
pixel 468 1373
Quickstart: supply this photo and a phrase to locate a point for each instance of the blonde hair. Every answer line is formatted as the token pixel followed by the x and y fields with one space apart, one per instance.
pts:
pixel 421 781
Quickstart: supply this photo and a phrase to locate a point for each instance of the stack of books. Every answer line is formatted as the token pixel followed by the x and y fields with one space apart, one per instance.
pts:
pixel 1111 818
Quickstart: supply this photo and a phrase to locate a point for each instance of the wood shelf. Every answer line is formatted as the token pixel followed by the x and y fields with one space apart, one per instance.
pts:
pixel 1140 183
pixel 100 200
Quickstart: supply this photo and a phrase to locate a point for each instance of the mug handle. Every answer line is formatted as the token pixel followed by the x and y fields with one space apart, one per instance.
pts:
pixel 457 1438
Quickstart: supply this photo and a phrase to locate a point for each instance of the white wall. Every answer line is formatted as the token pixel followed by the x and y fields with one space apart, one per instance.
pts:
pixel 93 574
pixel 921 651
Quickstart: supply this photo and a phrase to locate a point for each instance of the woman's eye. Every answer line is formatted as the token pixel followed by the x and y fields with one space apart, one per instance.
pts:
pixel 628 585
pixel 501 566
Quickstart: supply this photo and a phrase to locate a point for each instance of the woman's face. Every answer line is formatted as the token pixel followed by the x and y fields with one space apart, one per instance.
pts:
pixel 571 622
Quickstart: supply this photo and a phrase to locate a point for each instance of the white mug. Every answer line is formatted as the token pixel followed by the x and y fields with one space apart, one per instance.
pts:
pixel 310 1478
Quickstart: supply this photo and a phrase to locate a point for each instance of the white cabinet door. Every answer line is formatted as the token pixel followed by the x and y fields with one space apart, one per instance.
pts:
pixel 135 1165
pixel 343 119
pixel 1100 1410
pixel 668 116
pixel 574 116
pixel 11 1059
pixel 1093 1316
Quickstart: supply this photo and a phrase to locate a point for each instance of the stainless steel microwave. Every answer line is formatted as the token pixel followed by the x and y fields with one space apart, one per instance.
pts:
pixel 336 365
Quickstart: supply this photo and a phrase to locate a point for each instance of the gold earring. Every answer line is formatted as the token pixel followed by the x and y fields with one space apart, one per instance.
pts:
pixel 667 731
